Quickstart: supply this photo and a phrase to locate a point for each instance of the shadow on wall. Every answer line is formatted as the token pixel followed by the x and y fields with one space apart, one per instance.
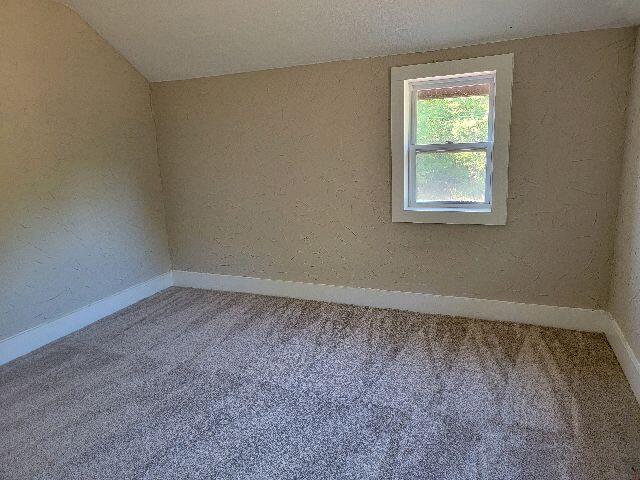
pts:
pixel 80 193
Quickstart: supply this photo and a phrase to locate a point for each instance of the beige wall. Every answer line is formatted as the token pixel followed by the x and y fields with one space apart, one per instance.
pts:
pixel 285 174
pixel 80 193
pixel 625 293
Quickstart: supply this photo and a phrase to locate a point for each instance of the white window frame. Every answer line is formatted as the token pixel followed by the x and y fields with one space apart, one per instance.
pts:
pixel 497 71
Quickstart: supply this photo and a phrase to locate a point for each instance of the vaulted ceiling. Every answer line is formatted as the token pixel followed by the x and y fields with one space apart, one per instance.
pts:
pixel 178 39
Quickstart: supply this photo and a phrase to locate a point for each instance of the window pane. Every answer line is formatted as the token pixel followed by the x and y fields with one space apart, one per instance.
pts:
pixel 450 176
pixel 454 114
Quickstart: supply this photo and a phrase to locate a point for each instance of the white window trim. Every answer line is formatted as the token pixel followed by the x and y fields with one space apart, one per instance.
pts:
pixel 402 79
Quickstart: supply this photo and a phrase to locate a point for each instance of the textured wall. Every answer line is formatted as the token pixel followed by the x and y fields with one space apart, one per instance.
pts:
pixel 624 303
pixel 80 193
pixel 285 174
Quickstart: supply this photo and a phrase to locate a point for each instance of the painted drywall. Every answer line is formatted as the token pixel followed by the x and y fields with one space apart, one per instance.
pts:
pixel 285 174
pixel 624 303
pixel 80 193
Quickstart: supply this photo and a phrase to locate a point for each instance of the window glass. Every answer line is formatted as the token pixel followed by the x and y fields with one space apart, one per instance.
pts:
pixel 457 114
pixel 450 176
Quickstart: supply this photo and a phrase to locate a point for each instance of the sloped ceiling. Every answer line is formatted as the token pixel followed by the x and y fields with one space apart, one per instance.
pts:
pixel 179 39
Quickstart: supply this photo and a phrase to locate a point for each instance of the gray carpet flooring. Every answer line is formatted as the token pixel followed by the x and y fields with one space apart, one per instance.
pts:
pixel 199 384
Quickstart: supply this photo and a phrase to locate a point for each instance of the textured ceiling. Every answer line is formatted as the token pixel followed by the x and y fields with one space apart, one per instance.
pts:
pixel 169 40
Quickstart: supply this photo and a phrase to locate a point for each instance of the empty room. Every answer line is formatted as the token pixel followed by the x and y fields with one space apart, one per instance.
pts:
pixel 320 240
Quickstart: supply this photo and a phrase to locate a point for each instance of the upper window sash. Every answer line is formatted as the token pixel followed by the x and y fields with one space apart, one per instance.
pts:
pixel 460 80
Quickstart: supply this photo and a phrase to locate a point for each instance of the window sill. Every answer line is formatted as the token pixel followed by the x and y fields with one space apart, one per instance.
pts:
pixel 449 210
pixel 450 216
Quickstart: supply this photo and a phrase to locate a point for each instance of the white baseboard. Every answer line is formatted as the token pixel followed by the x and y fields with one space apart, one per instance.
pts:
pixel 626 357
pixel 543 315
pixel 29 340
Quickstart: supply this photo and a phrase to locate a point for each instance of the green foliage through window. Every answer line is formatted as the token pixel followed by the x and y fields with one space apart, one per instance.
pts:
pixel 450 176
pixel 457 175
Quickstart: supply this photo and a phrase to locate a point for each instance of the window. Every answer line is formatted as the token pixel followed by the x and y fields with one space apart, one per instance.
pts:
pixel 450 141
